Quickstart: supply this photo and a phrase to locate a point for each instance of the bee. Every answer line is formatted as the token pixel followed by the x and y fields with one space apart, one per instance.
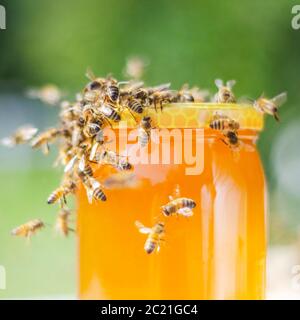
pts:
pixel 91 129
pixel 135 106
pixel 144 131
pixel 184 95
pixel 85 167
pixel 21 135
pixel 223 122
pixel 231 139
pixel 112 90
pixel 270 106
pixel 160 95
pixel 93 188
pixel 135 67
pixel 67 187
pixel 155 236
pixel 62 222
pixel 110 157
pixel 225 94
pixel 99 141
pixel 178 205
pixel 44 138
pixel 96 83
pixel 28 229
pixel 49 94
pixel 109 111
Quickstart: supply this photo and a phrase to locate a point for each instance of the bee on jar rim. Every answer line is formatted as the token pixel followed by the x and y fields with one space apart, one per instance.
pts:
pixel 28 229
pixel 96 83
pixel 223 122
pixel 225 94
pixel 62 222
pixel 45 138
pixel 178 205
pixel 109 112
pixel 231 139
pixel 184 95
pixel 270 106
pixel 59 194
pixel 155 236
pixel 20 136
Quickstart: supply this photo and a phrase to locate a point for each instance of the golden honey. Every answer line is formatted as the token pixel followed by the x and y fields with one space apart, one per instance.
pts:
pixel 218 253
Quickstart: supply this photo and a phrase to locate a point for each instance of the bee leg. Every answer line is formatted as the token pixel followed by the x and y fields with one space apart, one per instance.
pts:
pixel 276 116
pixel 224 142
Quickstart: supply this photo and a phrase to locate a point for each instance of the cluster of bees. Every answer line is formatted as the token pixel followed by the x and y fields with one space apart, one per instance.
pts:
pixel 81 141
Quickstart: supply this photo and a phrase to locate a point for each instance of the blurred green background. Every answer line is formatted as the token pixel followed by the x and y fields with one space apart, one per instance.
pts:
pixel 185 41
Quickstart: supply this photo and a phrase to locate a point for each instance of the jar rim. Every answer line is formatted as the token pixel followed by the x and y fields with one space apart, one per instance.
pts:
pixel 199 115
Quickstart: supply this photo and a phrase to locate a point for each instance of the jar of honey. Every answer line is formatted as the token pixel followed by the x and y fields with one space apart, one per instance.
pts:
pixel 218 252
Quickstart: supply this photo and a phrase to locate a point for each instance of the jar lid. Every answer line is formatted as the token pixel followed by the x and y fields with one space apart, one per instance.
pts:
pixel 199 115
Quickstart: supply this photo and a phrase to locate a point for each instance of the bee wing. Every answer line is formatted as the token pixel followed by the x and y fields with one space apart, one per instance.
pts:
pixel 280 99
pixel 95 184
pixel 185 212
pixel 219 83
pixel 70 164
pixel 7 142
pixel 81 165
pixel 93 151
pixel 89 193
pixel 27 132
pixel 90 74
pixel 106 110
pixel 230 84
pixel 162 87
pixel 142 228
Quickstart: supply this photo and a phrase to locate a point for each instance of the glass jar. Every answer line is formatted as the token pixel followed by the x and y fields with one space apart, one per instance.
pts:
pixel 218 253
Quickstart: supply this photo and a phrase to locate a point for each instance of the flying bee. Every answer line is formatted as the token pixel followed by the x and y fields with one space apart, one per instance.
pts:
pixel 109 111
pixel 135 67
pixel 49 94
pixel 181 206
pixel 67 187
pixel 270 106
pixel 223 122
pixel 85 167
pixel 225 94
pixel 62 222
pixel 110 157
pixel 178 205
pixel 155 236
pixel 21 135
pixel 28 229
pixel 93 188
pixel 45 138
pixel 144 131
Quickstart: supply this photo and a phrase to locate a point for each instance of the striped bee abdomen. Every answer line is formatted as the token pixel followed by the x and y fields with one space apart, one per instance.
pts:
pixel 149 246
pixel 99 194
pixel 135 106
pixel 113 93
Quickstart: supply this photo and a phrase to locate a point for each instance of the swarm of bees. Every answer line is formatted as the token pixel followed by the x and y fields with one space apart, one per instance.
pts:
pixel 80 137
